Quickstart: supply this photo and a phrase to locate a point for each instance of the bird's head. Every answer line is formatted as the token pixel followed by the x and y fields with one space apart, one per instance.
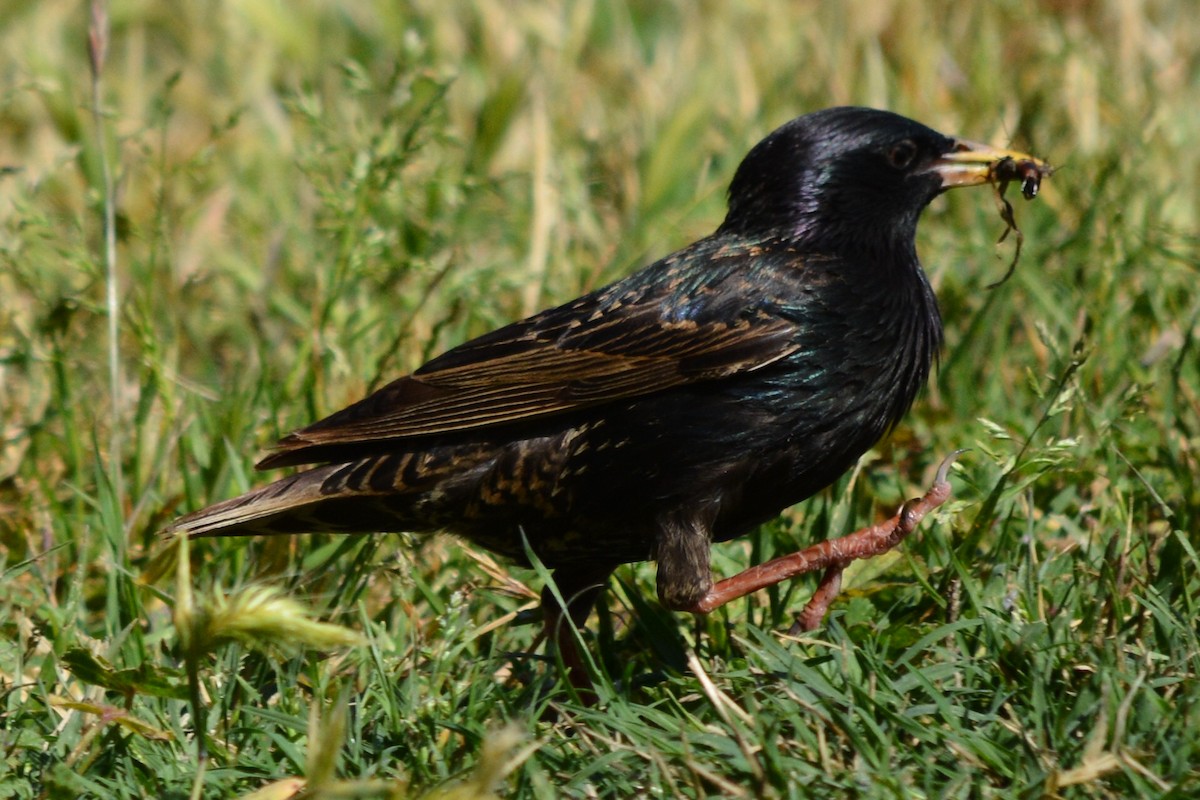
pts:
pixel 853 177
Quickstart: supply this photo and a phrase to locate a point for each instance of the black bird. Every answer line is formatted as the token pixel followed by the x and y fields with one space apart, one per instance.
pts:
pixel 681 406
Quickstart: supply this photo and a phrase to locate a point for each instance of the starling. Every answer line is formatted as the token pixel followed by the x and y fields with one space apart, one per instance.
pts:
pixel 681 406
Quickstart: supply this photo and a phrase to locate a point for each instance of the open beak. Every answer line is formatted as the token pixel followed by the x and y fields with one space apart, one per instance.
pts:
pixel 970 164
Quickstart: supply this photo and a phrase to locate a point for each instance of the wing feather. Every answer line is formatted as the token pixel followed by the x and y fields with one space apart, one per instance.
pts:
pixel 615 344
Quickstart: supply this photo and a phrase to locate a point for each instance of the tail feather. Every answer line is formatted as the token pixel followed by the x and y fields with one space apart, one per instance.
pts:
pixel 313 500
pixel 414 492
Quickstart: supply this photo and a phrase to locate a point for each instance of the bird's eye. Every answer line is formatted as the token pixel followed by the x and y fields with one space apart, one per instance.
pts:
pixel 901 155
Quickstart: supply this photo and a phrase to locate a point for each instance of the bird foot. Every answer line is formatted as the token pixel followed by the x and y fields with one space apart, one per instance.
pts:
pixel 832 556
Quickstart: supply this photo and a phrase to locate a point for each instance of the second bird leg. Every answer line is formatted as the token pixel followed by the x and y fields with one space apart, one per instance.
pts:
pixel 832 556
pixel 579 588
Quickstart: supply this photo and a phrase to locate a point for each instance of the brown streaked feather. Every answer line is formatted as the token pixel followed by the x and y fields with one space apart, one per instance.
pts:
pixel 549 364
pixel 374 493
pixel 254 512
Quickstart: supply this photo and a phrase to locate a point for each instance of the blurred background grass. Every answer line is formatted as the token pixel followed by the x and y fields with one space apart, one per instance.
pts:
pixel 313 197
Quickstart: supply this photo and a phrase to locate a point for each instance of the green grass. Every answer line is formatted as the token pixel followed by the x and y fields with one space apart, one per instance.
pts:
pixel 312 199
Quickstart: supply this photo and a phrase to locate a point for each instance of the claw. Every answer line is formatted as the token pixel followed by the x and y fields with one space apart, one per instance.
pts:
pixel 943 470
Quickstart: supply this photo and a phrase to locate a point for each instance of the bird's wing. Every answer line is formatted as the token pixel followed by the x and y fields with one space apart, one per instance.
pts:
pixel 595 350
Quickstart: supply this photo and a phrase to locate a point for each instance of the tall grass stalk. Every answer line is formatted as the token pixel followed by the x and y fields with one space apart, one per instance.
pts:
pixel 98 29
